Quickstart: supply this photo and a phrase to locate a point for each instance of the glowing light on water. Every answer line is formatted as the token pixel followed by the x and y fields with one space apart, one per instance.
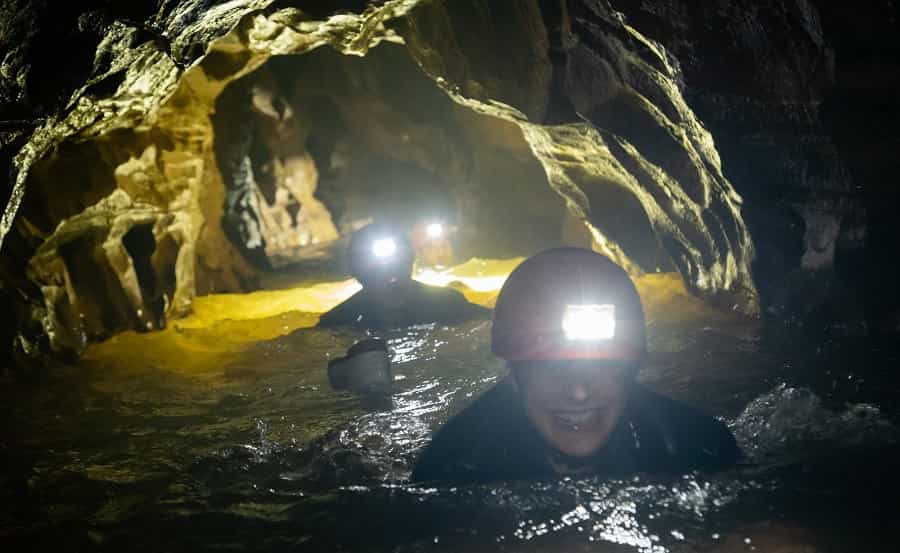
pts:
pixel 443 278
pixel 404 351
pixel 316 298
pixel 621 512
pixel 222 326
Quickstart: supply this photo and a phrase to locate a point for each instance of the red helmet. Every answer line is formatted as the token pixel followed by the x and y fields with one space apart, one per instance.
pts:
pixel 568 303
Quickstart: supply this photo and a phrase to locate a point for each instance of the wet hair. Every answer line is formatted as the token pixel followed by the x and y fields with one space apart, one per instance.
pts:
pixel 363 266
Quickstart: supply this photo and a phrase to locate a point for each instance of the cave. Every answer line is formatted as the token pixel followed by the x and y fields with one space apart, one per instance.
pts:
pixel 276 143
pixel 369 149
pixel 184 178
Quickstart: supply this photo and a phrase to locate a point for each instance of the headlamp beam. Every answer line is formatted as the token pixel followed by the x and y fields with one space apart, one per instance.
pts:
pixel 592 322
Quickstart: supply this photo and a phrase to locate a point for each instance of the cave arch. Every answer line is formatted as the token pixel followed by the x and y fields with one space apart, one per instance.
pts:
pixel 388 144
pixel 488 140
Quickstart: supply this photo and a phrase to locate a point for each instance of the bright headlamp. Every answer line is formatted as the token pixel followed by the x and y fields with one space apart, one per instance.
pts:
pixel 435 230
pixel 590 322
pixel 384 248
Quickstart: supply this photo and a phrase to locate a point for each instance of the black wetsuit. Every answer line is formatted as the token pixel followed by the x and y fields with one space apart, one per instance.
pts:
pixel 493 440
pixel 423 304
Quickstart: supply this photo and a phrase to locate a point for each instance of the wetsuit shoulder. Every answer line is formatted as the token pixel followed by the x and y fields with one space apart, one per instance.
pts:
pixel 346 313
pixel 680 437
pixel 489 440
pixel 447 305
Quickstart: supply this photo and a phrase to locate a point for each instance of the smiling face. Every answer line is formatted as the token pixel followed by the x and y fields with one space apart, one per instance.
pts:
pixel 574 405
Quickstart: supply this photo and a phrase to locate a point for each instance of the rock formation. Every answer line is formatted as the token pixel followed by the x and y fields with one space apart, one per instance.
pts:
pixel 167 149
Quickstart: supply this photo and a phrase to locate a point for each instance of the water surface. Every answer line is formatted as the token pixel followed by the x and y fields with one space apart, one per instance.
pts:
pixel 221 433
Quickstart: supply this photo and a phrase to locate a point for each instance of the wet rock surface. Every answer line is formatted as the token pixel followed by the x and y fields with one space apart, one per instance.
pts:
pixel 271 210
pixel 794 93
pixel 603 114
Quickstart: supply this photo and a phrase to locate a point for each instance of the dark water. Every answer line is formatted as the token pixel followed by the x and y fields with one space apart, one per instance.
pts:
pixel 261 455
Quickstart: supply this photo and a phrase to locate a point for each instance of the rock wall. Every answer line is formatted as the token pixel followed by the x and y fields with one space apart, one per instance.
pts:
pixel 796 94
pixel 862 115
pixel 180 146
pixel 389 144
pixel 272 213
pixel 114 203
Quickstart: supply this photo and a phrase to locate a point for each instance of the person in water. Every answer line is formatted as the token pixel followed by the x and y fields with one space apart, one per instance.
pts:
pixel 381 259
pixel 366 369
pixel 570 324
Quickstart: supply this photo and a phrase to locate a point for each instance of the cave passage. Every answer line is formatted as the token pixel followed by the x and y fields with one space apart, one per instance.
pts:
pixel 274 147
pixel 313 146
pixel 175 232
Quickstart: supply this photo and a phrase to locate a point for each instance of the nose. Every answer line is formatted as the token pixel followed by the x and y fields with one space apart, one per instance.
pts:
pixel 577 390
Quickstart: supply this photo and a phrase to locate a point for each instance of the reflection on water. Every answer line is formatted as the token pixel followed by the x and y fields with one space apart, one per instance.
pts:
pixel 221 432
pixel 788 424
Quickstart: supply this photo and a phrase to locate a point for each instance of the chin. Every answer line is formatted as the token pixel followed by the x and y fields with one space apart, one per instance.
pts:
pixel 579 446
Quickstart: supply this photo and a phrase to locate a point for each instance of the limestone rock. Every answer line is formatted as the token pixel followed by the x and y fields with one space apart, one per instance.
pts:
pixel 198 139
pixel 473 121
pixel 762 79
pixel 271 179
pixel 624 86
pixel 119 264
